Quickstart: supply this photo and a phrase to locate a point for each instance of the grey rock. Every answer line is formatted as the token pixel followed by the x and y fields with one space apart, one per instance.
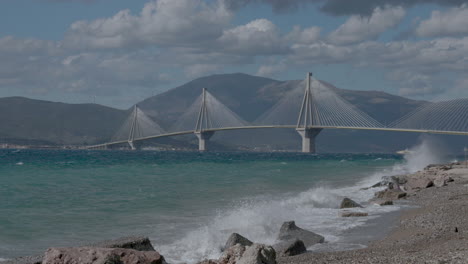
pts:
pixel 390 194
pixel 384 203
pixel 239 254
pixel 93 255
pixel 136 243
pixel 290 231
pixel 348 203
pixel 290 248
pixel 258 254
pixel 235 238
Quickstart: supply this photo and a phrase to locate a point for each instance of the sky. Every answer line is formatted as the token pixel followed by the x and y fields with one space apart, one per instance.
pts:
pixel 119 52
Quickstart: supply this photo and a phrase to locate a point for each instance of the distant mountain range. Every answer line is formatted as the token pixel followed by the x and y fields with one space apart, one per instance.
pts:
pixel 30 121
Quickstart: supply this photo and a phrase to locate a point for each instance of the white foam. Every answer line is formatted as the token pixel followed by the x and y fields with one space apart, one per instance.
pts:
pixel 315 209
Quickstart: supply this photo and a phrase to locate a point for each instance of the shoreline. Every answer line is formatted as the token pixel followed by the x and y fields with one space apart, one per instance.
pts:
pixel 433 230
pixel 421 230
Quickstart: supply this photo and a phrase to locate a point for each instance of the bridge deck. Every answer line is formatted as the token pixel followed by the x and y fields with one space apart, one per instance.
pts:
pixel 285 126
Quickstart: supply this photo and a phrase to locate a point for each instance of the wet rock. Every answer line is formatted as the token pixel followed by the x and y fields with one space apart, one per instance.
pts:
pixel 92 255
pixel 290 231
pixel 136 243
pixel 258 254
pixel 348 203
pixel 354 214
pixel 385 203
pixel 290 248
pixel 235 238
pixel 390 194
pixel 231 255
pixel 239 254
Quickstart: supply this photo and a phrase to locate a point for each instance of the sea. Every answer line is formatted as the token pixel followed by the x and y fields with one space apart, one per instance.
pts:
pixel 187 203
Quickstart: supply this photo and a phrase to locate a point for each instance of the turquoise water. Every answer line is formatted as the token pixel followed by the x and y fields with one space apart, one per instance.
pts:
pixel 186 202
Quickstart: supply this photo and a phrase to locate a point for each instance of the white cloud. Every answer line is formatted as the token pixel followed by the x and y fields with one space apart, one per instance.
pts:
pixel 453 22
pixel 358 28
pixel 161 22
pixel 259 36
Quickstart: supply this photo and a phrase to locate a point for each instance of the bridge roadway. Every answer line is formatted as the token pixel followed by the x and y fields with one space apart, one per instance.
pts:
pixel 280 126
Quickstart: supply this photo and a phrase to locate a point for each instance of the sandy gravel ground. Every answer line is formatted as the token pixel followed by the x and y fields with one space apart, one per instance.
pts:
pixel 435 232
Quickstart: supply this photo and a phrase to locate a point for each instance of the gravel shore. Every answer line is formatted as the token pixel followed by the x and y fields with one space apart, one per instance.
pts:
pixel 436 231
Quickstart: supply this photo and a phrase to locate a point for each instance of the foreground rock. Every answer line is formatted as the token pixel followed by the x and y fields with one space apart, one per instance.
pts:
pixel 92 255
pixel 136 243
pixel 348 203
pixel 354 214
pixel 290 248
pixel 390 194
pixel 239 254
pixel 234 239
pixel 289 231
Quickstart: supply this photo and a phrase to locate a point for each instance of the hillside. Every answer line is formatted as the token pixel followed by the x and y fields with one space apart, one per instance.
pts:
pixel 43 122
pixel 40 122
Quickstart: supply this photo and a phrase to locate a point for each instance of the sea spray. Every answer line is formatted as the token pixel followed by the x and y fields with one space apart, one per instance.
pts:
pixel 316 209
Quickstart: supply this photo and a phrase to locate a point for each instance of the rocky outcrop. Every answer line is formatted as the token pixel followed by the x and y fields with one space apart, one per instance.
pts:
pixel 136 243
pixel 348 203
pixel 353 214
pixel 239 254
pixel 93 255
pixel 290 248
pixel 234 239
pixel 290 231
pixel 390 194
pixel 258 254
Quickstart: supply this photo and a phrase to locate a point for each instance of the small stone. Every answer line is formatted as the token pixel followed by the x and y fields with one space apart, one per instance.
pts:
pixel 384 203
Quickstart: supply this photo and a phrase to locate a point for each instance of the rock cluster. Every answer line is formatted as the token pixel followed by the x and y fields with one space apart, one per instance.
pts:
pixel 127 250
pixel 93 255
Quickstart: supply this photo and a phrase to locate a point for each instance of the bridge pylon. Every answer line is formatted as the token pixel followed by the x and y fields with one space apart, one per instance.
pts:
pixel 131 135
pixel 203 123
pixel 305 122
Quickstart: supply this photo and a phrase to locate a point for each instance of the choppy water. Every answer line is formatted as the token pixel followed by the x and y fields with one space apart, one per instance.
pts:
pixel 187 203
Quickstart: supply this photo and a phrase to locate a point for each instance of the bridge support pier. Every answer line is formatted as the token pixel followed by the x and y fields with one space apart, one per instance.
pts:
pixel 203 138
pixel 308 138
pixel 132 145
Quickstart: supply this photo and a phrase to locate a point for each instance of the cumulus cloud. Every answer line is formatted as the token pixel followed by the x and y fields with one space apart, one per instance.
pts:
pixel 453 22
pixel 358 28
pixel 161 22
pixel 259 36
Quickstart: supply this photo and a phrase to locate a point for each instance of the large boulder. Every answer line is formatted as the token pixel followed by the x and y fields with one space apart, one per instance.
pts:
pixel 348 203
pixel 235 238
pixel 290 248
pixel 417 183
pixel 290 231
pixel 93 255
pixel 442 180
pixel 258 254
pixel 390 194
pixel 239 254
pixel 136 243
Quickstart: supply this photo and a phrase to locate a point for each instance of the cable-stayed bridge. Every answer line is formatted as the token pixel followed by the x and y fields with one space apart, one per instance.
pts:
pixel 309 108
